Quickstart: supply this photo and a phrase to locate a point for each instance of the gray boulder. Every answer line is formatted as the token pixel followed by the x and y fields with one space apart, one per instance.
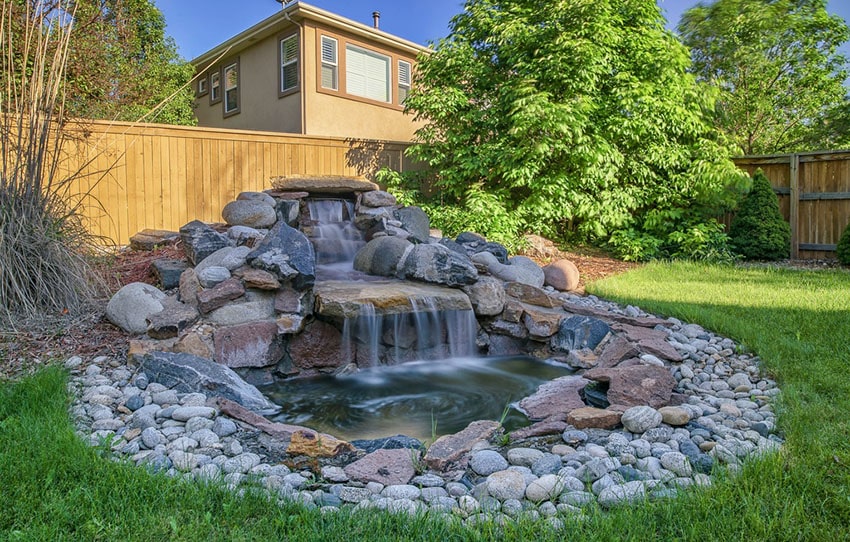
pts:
pixel 437 264
pixel 168 272
pixel 228 257
pixel 577 332
pixel 243 235
pixel 200 240
pixel 186 373
pixel 487 296
pixel 261 197
pixel 287 210
pixel 288 254
pixel 519 269
pixel 415 221
pixel 640 419
pixel 254 214
pixel 132 305
pixel 381 255
pixel 377 198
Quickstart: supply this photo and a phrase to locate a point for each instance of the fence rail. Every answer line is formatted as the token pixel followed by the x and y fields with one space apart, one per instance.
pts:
pixel 161 177
pixel 814 197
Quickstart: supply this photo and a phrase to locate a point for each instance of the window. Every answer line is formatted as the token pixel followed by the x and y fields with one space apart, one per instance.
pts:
pixel 215 87
pixel 231 89
pixel 289 63
pixel 403 80
pixel 202 85
pixel 329 63
pixel 367 74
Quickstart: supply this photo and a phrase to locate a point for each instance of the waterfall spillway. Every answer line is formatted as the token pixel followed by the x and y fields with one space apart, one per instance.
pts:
pixel 334 236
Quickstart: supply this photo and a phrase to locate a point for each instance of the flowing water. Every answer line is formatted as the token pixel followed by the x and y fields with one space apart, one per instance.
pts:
pixel 334 237
pixel 420 399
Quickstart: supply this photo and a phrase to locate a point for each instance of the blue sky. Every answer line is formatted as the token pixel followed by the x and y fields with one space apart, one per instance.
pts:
pixel 199 25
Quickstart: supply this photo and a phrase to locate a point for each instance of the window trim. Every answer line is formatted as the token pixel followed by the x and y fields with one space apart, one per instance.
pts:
pixel 233 65
pixel 280 90
pixel 203 85
pixel 334 64
pixel 343 39
pixel 215 85
pixel 388 59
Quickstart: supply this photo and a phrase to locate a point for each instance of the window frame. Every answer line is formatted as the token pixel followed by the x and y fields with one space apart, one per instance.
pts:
pixel 352 47
pixel 234 66
pixel 203 85
pixel 296 62
pixel 405 86
pixel 333 65
pixel 215 87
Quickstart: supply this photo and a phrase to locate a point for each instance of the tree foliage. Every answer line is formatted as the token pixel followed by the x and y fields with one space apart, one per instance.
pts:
pixel 573 118
pixel 843 248
pixel 120 65
pixel 758 231
pixel 777 66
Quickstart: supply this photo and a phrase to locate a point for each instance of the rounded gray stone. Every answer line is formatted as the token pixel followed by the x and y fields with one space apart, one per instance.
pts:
pixel 506 484
pixel 133 304
pixel 254 214
pixel 545 488
pixel 212 275
pixel 524 457
pixel 402 491
pixel 487 462
pixel 622 494
pixel 640 419
pixel 182 414
pixel 224 427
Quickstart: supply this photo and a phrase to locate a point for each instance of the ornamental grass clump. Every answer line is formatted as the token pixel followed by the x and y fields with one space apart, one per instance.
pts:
pixel 758 231
pixel 44 247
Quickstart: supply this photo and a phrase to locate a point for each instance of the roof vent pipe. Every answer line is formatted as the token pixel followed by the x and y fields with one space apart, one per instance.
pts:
pixel 376 18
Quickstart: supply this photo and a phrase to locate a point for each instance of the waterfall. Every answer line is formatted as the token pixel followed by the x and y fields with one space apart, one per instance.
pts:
pixel 334 235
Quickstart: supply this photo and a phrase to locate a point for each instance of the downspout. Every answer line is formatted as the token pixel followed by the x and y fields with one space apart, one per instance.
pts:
pixel 301 70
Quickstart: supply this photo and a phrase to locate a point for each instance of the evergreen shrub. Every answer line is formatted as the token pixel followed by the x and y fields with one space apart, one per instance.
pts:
pixel 843 248
pixel 758 231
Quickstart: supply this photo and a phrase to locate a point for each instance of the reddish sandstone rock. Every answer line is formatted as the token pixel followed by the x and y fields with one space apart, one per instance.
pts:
pixel 255 344
pixel 530 295
pixel 562 275
pixel 318 346
pixel 214 298
pixel 388 467
pixel 597 418
pixel 636 385
pixel 449 450
pixel 554 398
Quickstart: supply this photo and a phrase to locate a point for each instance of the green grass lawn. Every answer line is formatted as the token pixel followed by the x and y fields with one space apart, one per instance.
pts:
pixel 54 487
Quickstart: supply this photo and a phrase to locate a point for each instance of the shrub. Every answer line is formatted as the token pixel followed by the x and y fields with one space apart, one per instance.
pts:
pixel 758 231
pixel 843 248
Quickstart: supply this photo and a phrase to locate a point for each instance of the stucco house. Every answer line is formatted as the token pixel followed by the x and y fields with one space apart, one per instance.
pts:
pixel 307 71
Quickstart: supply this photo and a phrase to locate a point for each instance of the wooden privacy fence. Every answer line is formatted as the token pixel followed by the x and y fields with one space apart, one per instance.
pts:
pixel 161 177
pixel 814 197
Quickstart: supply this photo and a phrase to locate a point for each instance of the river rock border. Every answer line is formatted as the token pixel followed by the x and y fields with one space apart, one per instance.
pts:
pixel 726 416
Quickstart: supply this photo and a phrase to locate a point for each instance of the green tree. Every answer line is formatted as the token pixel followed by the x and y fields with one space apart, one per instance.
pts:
pixel 569 118
pixel 776 65
pixel 120 64
pixel 758 231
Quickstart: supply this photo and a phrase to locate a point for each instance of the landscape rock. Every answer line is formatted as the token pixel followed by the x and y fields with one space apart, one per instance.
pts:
pixel 506 484
pixel 381 256
pixel 519 269
pixel 168 272
pixel 243 312
pixel 640 419
pixel 597 418
pixel 530 295
pixel 319 346
pixel 487 296
pixel 452 449
pixel 554 398
pixel 388 467
pixel 172 320
pixel 288 254
pixel 200 240
pixel 186 373
pixel 416 222
pixel 636 384
pixel 230 258
pixel 577 332
pixel 377 198
pixel 562 275
pixel 322 184
pixel 150 239
pixel 254 214
pixel 487 462
pixel 225 291
pixel 436 264
pixel 132 306
pixel 255 344
pixel 209 277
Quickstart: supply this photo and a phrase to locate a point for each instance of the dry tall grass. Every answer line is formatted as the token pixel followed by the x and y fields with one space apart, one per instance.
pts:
pixel 44 246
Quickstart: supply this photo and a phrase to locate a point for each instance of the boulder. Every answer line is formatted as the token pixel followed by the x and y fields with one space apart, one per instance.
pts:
pixel 172 320
pixel 518 269
pixel 640 419
pixel 255 344
pixel 288 254
pixel 562 275
pixel 149 239
pixel 415 221
pixel 381 256
pixel 636 385
pixel 288 210
pixel 449 450
pixel 132 306
pixel 220 295
pixel 209 277
pixel 541 323
pixel 377 198
pixel 596 418
pixel 339 300
pixel 319 346
pixel 200 240
pixel 530 295
pixel 554 398
pixel 254 214
pixel 257 278
pixel 245 236
pixel 189 287
pixel 577 332
pixel 388 467
pixel 254 308
pixel 470 237
pixel 437 264
pixel 185 373
pixel 487 296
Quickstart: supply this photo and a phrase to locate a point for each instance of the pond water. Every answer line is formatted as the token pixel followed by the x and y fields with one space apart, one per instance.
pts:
pixel 421 399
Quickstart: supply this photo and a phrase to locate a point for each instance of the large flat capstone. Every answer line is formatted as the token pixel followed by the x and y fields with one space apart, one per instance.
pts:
pixel 324 184
pixel 345 299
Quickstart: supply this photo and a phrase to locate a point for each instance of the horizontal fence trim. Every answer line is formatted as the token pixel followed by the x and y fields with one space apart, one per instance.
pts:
pixel 782 191
pixel 810 196
pixel 815 246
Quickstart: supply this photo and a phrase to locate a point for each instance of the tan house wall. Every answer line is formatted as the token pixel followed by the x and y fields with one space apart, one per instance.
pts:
pixel 258 84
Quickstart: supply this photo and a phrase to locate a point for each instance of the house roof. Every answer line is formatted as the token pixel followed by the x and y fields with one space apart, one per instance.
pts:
pixel 303 11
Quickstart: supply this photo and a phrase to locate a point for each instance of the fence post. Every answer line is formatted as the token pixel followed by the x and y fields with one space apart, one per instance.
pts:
pixel 794 213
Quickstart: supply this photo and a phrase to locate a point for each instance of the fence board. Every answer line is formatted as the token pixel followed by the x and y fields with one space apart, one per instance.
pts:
pixel 818 205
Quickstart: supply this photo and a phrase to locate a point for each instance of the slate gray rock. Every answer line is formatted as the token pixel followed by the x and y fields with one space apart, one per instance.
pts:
pixel 288 210
pixel 288 254
pixel 200 240
pixel 228 257
pixel 578 332
pixel 168 272
pixel 398 442
pixel 518 269
pixel 436 264
pixel 377 198
pixel 381 256
pixel 487 296
pixel 415 221
pixel 185 373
